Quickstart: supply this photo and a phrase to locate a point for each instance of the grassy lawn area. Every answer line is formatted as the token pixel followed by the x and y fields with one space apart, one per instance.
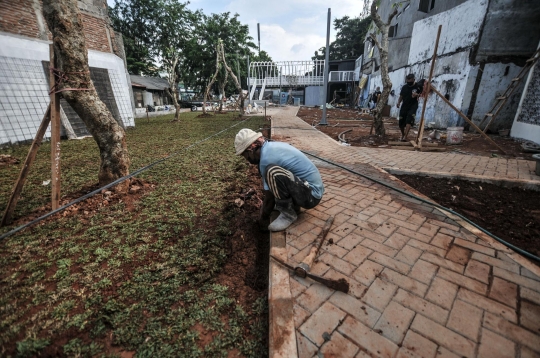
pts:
pixel 154 273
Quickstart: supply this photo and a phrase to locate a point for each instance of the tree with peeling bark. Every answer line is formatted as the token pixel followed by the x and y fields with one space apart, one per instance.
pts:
pixel 222 61
pixel 382 45
pixel 222 85
pixel 241 96
pixel 213 79
pixel 65 24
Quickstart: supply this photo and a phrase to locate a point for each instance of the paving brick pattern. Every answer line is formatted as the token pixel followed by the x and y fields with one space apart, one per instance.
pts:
pixel 421 285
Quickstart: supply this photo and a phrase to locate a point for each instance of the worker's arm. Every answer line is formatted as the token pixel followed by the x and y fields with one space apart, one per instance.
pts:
pixel 266 209
pixel 399 102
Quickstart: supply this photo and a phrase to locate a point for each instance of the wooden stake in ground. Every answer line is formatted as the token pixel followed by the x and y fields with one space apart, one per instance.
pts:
pixel 466 119
pixel 55 134
pixel 19 184
pixel 428 86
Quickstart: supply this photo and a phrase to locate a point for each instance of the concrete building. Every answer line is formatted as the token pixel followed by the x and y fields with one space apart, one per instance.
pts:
pixel 527 121
pixel 483 46
pixel 24 64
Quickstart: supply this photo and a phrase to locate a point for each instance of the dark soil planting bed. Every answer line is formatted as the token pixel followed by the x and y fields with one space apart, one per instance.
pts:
pixel 512 214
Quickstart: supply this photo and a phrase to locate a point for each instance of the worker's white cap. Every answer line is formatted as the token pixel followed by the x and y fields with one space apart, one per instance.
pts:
pixel 244 139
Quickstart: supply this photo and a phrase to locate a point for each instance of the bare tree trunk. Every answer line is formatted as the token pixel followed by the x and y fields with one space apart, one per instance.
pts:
pixel 383 53
pixel 172 91
pixel 222 91
pixel 207 92
pixel 235 79
pixel 173 94
pixel 70 51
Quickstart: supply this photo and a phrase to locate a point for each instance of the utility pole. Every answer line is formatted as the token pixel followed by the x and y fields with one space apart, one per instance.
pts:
pixel 259 37
pixel 247 81
pixel 326 69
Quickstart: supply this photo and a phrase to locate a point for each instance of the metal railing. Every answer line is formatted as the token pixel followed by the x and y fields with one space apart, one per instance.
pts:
pixel 342 76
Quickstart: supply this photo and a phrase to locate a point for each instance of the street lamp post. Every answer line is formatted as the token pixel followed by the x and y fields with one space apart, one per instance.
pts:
pixel 326 69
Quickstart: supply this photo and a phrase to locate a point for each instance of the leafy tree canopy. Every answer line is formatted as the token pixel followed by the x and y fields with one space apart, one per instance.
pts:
pixel 136 20
pixel 201 54
pixel 159 34
pixel 349 41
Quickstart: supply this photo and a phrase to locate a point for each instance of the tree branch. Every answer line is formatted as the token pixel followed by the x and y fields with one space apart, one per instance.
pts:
pixel 391 16
pixel 375 15
pixel 374 38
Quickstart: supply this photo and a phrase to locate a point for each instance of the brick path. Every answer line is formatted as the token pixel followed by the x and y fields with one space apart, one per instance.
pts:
pixel 422 284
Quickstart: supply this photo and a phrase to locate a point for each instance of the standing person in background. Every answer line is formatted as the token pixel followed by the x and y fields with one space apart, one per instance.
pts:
pixel 376 96
pixel 409 96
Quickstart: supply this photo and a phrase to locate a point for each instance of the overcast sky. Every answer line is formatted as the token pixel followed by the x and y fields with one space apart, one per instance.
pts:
pixel 290 30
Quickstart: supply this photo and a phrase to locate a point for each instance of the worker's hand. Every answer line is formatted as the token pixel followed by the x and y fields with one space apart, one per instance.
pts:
pixel 397 105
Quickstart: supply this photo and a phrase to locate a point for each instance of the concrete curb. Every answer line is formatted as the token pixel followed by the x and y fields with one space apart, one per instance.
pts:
pixel 504 182
pixel 282 332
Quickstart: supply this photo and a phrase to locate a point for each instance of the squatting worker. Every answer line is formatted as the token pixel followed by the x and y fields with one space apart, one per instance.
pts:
pixel 409 96
pixel 290 180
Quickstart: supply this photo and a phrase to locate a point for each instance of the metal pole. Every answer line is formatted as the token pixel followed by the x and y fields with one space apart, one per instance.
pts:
pixel 247 81
pixel 259 37
pixel 280 70
pixel 326 68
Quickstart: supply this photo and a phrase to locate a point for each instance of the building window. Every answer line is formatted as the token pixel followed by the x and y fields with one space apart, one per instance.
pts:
pixel 424 6
pixel 392 31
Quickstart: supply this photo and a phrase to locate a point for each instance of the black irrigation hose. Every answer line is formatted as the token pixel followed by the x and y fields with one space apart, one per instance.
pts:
pixel 110 185
pixel 507 244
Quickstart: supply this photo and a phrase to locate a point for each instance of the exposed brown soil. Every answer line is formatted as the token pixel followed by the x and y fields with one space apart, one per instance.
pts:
pixel 137 188
pixel 340 120
pixel 512 214
pixel 204 115
pixel 6 159
pixel 246 271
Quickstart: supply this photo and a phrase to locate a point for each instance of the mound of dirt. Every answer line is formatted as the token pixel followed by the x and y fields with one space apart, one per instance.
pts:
pixel 137 188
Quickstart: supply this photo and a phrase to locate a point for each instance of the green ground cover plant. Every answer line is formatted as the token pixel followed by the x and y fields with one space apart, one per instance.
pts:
pixel 132 275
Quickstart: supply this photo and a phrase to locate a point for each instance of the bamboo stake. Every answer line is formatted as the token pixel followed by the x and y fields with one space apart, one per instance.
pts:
pixel 55 136
pixel 19 184
pixel 422 119
pixel 466 119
